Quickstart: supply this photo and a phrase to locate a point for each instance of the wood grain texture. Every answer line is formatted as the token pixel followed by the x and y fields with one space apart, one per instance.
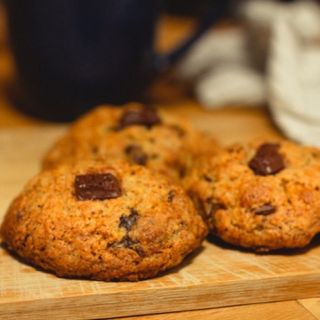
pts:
pixel 312 305
pixel 216 276
pixel 268 311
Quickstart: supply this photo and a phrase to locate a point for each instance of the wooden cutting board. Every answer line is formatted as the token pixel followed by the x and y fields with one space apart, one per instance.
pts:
pixel 216 275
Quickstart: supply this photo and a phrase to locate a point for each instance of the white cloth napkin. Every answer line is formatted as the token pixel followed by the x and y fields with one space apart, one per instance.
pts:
pixel 294 73
pixel 274 59
pixel 221 70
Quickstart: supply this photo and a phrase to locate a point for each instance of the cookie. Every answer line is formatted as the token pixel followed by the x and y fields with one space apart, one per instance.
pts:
pixel 262 195
pixel 135 133
pixel 103 221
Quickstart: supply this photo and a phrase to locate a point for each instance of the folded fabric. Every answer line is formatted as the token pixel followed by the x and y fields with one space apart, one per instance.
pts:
pixel 294 75
pixel 274 58
pixel 231 85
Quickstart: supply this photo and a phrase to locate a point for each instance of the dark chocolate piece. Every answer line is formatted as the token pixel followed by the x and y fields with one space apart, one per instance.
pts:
pixel 207 178
pixel 127 242
pixel 171 195
pixel 145 116
pixel 99 186
pixel 267 160
pixel 136 154
pixel 210 207
pixel 265 210
pixel 129 221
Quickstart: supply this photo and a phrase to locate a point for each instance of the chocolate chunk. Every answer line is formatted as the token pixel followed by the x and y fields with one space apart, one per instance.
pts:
pixel 136 154
pixel 128 222
pixel 145 116
pixel 215 206
pixel 210 207
pixel 127 242
pixel 265 210
pixel 139 250
pixel 97 187
pixel 171 195
pixel 267 160
pixel 207 178
pixel 207 210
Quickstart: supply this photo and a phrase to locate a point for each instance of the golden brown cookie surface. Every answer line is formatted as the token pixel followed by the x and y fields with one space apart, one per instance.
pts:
pixel 105 222
pixel 263 195
pixel 135 133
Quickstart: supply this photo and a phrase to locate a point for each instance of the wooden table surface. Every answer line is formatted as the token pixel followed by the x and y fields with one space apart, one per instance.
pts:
pixel 169 94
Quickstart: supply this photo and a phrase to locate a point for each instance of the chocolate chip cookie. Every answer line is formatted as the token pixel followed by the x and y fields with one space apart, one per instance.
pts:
pixel 103 221
pixel 262 195
pixel 136 133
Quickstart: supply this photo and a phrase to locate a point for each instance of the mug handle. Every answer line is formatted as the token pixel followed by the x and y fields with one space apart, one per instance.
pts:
pixel 162 62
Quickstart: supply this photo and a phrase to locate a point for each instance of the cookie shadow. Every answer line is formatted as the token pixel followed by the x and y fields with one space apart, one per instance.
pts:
pixel 24 261
pixel 285 252
pixel 188 260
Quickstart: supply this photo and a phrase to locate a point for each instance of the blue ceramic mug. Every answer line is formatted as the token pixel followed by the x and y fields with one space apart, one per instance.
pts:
pixel 73 54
